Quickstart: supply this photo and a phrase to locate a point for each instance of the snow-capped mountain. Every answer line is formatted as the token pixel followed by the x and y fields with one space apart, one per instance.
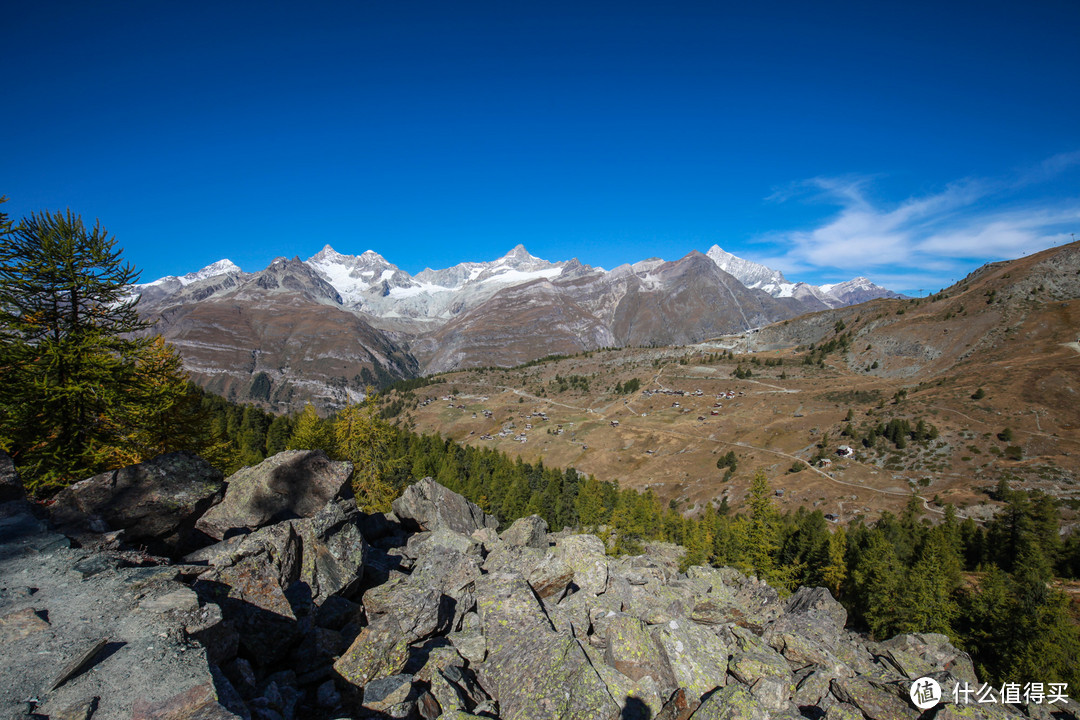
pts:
pixel 371 284
pixel 855 291
pixel 325 327
pixel 751 274
pixel 760 277
pixel 357 276
pixel 221 267
pixel 171 284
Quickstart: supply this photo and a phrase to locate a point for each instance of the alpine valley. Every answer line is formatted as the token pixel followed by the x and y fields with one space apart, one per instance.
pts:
pixel 323 329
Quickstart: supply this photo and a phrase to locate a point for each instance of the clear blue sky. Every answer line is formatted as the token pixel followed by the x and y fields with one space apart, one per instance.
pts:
pixel 907 141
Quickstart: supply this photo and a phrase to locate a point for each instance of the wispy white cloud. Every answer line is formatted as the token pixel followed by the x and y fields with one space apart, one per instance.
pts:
pixel 923 241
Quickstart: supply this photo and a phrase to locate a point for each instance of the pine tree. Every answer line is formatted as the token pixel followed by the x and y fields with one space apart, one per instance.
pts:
pixel 75 364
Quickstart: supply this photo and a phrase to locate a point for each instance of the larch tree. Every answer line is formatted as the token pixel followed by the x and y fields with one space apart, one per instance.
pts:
pixel 75 361
pixel 367 441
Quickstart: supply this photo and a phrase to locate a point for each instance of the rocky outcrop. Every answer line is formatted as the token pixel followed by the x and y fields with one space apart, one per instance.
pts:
pixel 155 503
pixel 427 505
pixel 291 484
pixel 453 621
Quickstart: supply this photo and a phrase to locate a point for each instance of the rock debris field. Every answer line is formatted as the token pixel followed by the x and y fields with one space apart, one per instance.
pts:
pixel 163 591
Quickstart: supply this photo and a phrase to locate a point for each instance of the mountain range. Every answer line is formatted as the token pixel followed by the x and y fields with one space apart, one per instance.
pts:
pixel 324 328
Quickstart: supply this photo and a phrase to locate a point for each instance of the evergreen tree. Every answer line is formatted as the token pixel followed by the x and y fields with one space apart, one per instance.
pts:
pixel 73 366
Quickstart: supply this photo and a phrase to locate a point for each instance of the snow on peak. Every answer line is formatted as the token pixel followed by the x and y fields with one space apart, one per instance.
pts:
pixel 748 272
pixel 221 267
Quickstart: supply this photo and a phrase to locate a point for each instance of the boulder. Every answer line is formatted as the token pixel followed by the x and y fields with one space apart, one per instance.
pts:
pixel 427 505
pixel 291 484
pixel 156 503
pixel 528 532
pixel 631 650
pixel 727 596
pixel 441 539
pixel 389 693
pixel 878 699
pixel 382 648
pixel 252 598
pixel 551 577
pixel 819 604
pixel 334 551
pixel 509 610
pixel 587 556
pixel 11 487
pixel 698 658
pixel 917 655
pixel 453 686
pixel 811 613
pixel 734 702
pixel 544 675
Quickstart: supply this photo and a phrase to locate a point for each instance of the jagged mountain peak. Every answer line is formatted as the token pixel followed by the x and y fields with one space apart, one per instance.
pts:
pixel 221 267
pixel 749 273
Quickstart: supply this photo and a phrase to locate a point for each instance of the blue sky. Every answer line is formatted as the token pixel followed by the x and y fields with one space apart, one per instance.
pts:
pixel 905 141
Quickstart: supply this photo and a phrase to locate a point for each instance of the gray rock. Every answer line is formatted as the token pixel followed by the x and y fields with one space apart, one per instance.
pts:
pixel 630 649
pixel 528 532
pixel 727 596
pixel 382 694
pixel 470 644
pixel 334 551
pixel 441 539
pixel 251 596
pixel 544 675
pixel 513 558
pixel 877 699
pixel 291 484
pixel 586 555
pixel 551 577
pixel 734 702
pixel 843 711
pixel 508 610
pixel 427 505
pixel 382 648
pixel 817 603
pixel 11 487
pixel 698 658
pixel 452 574
pixel 917 655
pixel 156 503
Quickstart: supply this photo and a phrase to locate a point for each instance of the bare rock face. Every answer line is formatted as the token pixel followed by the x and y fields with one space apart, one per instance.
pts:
pixel 291 484
pixel 427 505
pixel 155 503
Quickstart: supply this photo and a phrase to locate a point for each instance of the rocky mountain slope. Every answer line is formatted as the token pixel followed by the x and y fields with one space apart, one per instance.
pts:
pixel 280 337
pixel 1019 315
pixel 352 320
pixel 309 608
